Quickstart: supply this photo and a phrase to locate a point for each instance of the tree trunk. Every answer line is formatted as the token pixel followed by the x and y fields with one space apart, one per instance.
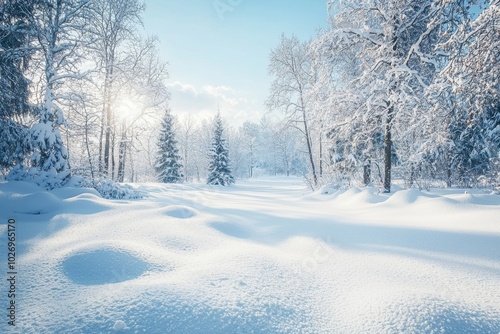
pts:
pixel 101 137
pixel 320 155
pixel 388 151
pixel 412 175
pixel 251 158
pixel 87 146
pixel 287 164
pixel 113 162
pixel 367 173
pixel 448 176
pixel 121 160
pixel 133 173
pixel 390 116
pixel 186 161
pixel 107 142
pixel 108 85
pixel 107 134
pixel 309 145
pixel 122 155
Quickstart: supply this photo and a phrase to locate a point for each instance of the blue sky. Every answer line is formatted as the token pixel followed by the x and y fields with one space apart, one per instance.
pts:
pixel 218 50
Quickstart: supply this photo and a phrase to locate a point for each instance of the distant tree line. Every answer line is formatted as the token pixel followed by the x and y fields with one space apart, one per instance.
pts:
pixel 82 93
pixel 218 153
pixel 392 90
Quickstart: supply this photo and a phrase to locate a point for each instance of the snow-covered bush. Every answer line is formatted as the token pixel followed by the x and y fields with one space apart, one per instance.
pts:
pixel 112 190
pixel 47 179
pixel 52 180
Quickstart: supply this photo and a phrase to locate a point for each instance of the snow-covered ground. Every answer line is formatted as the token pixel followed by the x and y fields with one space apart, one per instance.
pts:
pixel 264 256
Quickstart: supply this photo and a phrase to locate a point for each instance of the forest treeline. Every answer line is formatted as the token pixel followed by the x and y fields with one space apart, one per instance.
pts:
pixel 391 90
pixel 83 92
pixel 397 89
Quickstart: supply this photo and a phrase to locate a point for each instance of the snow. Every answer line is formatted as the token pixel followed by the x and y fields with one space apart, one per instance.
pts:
pixel 263 256
pixel 120 326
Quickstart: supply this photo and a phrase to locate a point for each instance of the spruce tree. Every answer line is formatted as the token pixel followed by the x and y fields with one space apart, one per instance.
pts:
pixel 55 25
pixel 168 165
pixel 15 52
pixel 219 171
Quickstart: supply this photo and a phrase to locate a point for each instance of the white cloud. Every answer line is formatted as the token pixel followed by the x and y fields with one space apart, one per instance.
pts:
pixel 203 102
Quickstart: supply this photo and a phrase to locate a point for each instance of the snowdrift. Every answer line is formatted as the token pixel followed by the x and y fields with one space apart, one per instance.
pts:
pixel 264 256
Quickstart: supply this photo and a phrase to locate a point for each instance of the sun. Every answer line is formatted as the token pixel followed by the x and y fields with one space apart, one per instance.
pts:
pixel 127 110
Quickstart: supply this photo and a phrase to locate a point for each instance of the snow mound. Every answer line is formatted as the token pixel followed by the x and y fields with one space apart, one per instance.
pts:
pixel 69 192
pixel 173 313
pixel 326 190
pixel 19 187
pixel 348 195
pixel 439 316
pixel 230 229
pixel 28 199
pixel 86 204
pixel 368 195
pixel 178 211
pixel 261 258
pixel 103 266
pixel 405 197
pixel 477 199
pixel 37 203
pixel 17 197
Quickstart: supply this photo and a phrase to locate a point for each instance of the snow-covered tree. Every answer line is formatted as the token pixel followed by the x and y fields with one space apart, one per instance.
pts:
pixel 465 94
pixel 57 25
pixel 168 163
pixel 393 44
pixel 219 169
pixel 474 53
pixel 16 35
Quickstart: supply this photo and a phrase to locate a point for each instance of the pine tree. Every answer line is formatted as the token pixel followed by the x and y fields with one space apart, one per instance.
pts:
pixel 219 171
pixel 168 165
pixel 56 24
pixel 15 53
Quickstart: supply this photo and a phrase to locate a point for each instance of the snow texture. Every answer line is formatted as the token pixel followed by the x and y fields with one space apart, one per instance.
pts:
pixel 263 256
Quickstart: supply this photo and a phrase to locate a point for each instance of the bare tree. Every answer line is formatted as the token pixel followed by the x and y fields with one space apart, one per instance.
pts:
pixel 112 24
pixel 142 81
pixel 290 64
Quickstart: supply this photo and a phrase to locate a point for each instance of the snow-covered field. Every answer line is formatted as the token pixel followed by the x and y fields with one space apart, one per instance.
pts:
pixel 264 256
